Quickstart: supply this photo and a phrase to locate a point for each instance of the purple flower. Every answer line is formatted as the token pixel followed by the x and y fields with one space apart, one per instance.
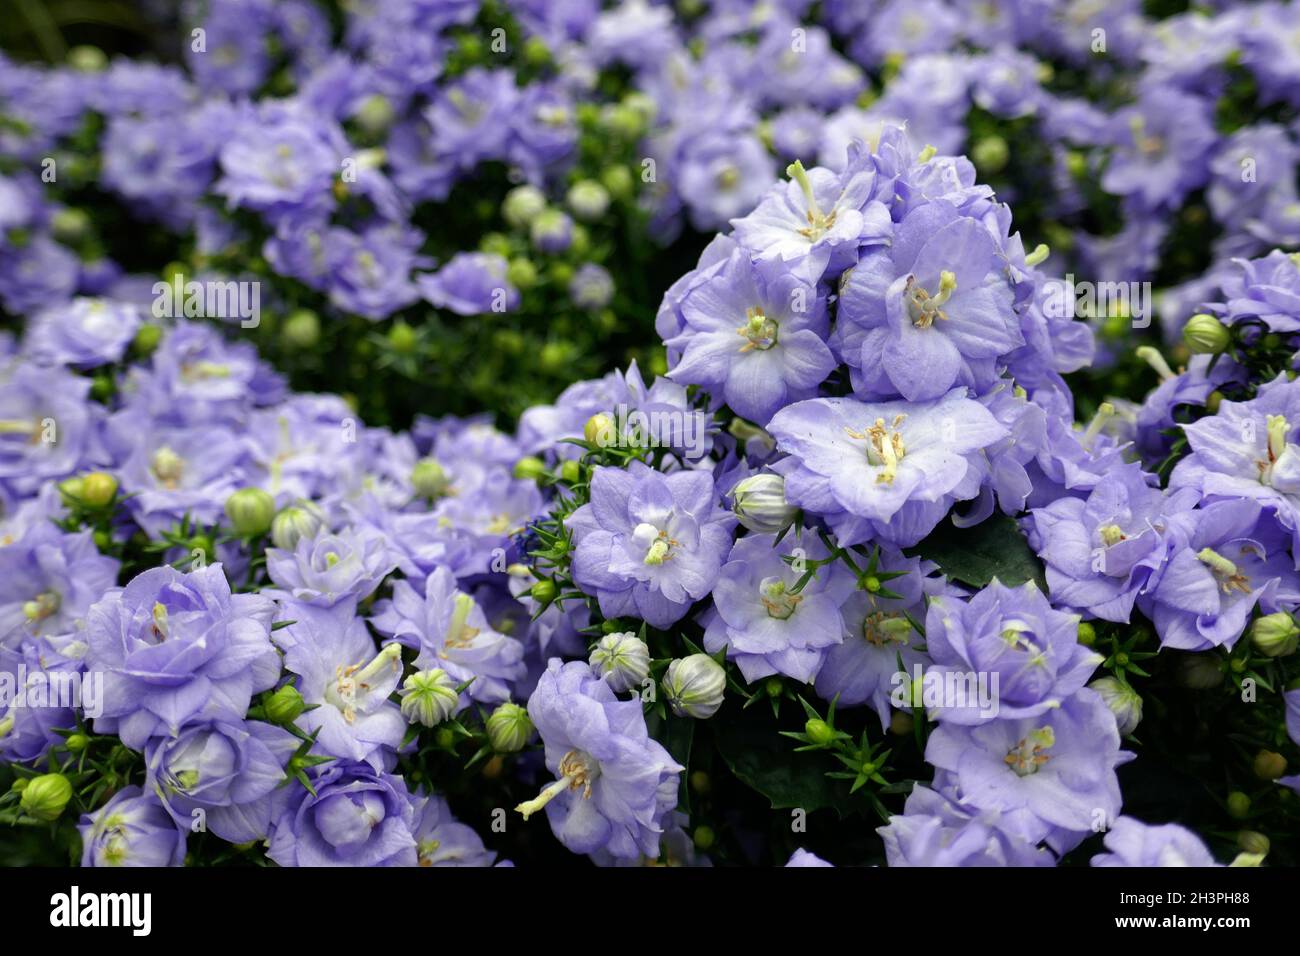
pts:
pixel 931 310
pixel 649 544
pixel 471 283
pixel 1247 450
pixel 889 470
pixel 591 287
pixel 222 773
pixel 756 338
pixel 48 581
pixel 1267 288
pixel 175 648
pixel 1101 551
pixel 1028 651
pixel 358 816
pixel 765 626
pixel 1162 148
pixel 1224 560
pixel 802 858
pixel 879 633
pixel 331 569
pixel 131 830
pixel 442 840
pixel 370 273
pixel 722 176
pixel 815 222
pixel 346 680
pixel 1052 774
pixel 614 783
pixel 933 830
pixel 450 632
pixel 34 671
pixel 281 162
pixel 84 333
pixel 1133 843
pixel 47 425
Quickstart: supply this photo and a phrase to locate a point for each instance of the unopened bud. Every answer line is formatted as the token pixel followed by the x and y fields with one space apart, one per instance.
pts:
pixel 250 511
pixel 46 796
pixel 429 697
pixel 623 660
pixel 1122 700
pixel 694 686
pixel 759 503
pixel 509 728
pixel 1275 635
pixel 285 705
pixel 1205 335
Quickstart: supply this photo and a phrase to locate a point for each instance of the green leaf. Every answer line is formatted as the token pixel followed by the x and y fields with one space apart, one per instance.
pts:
pixel 994 548
pixel 753 749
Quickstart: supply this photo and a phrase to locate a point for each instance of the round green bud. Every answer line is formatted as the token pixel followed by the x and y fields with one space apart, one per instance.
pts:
pixel 298 521
pixel 773 687
pixel 818 731
pixel 1205 335
pixel 521 273
pixel 285 705
pixel 250 511
pixel 87 59
pixel 700 782
pixel 146 340
pixel 77 743
pixel 759 503
pixel 402 339
pixel 70 225
pixel 544 592
pixel 1252 841
pixel 98 489
pixel 509 728
pixel 704 837
pixel 522 205
pixel 1238 805
pixel 103 540
pixel 429 697
pixel 561 273
pixel 571 472
pixel 901 723
pixel 445 738
pixel 555 356
pixel 530 468
pixel 301 329
pixel 203 544
pixel 622 122
pixel 1087 634
pixel 375 114
pixel 1269 765
pixel 622 659
pixel 72 488
pixel 1212 403
pixel 694 686
pixel 429 479
pixel 536 52
pixel 1122 700
pixel 45 797
pixel 599 430
pixel 618 181
pixel 580 243
pixel 588 199
pixel 1275 635
pixel 990 154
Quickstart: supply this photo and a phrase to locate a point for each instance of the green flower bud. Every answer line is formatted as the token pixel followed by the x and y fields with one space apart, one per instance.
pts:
pixel 588 199
pixel 77 743
pixel 521 273
pixel 70 225
pixel 1275 635
pixel 1087 634
pixel 301 329
pixel 1122 700
pixel 618 181
pixel 1238 805
pixel 1253 842
pixel 301 520
pixel 544 592
pixel 509 728
pixel 402 338
pixel 98 489
pixel 1205 335
pixel 429 697
pixel 285 705
pixel 250 511
pixel 536 53
pixel 759 502
pixel 530 468
pixel 622 659
pixel 72 488
pixel 429 479
pixel 704 837
pixel 375 114
pixel 87 59
pixel 1269 765
pixel 695 685
pixel 599 430
pixel 497 244
pixel 818 731
pixel 901 723
pixel 570 471
pixel 46 796
pixel 990 154
pixel 146 340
